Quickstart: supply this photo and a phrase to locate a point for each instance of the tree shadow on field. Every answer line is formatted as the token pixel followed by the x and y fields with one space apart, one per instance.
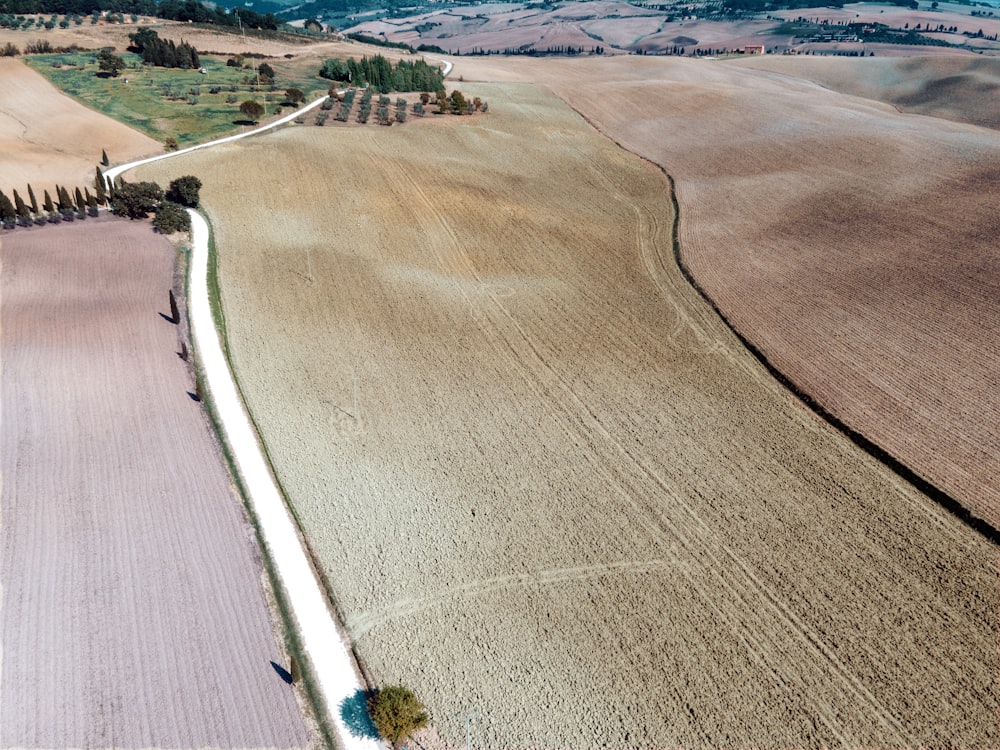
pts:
pixel 283 673
pixel 354 714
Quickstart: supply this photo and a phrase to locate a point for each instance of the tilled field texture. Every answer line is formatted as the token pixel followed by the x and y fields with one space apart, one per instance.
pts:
pixel 964 89
pixel 133 614
pixel 548 487
pixel 47 138
pixel 852 244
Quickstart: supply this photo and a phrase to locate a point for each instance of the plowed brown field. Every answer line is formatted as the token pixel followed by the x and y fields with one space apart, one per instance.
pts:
pixel 133 614
pixel 47 138
pixel 546 483
pixel 854 245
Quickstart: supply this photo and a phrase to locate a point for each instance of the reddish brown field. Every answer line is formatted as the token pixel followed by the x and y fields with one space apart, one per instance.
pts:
pixel 133 614
pixel 853 245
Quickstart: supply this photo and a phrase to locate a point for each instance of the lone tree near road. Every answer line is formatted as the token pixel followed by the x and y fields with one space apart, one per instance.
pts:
pixel 252 110
pixel 397 714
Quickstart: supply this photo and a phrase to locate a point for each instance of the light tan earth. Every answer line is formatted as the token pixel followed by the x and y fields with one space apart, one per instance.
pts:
pixel 133 614
pixel 546 484
pixel 47 138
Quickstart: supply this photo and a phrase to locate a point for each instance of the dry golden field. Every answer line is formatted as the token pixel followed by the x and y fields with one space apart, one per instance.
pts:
pixel 545 482
pixel 47 138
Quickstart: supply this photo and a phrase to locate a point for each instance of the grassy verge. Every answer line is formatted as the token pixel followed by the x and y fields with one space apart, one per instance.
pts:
pixel 187 105
pixel 293 642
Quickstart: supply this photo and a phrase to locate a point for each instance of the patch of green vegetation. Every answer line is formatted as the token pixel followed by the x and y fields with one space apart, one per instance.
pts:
pixel 188 105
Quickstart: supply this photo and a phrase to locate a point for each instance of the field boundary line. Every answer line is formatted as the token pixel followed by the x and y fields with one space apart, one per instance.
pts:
pixel 945 501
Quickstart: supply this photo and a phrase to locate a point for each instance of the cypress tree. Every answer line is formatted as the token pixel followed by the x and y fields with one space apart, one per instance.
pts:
pixel 100 187
pixel 34 201
pixel 7 212
pixel 78 199
pixel 91 200
pixel 65 203
pixel 104 158
pixel 47 203
pixel 19 208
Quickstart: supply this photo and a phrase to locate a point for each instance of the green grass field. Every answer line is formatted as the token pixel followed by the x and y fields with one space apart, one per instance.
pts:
pixel 169 102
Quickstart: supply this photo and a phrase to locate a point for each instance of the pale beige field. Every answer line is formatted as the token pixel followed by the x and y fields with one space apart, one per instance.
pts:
pixel 48 138
pixel 545 482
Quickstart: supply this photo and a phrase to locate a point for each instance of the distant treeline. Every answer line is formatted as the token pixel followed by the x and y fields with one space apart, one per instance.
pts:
pixel 760 6
pixel 173 10
pixel 382 75
pixel 532 51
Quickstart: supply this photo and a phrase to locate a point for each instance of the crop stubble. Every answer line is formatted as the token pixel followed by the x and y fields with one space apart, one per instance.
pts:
pixel 133 614
pixel 565 496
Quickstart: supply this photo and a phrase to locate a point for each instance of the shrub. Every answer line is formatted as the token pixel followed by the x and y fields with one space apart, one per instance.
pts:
pixel 184 190
pixel 397 714
pixel 171 217
pixel 9 50
pixel 137 200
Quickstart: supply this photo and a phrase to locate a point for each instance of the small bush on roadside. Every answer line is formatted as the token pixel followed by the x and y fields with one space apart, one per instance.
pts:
pixel 171 217
pixel 397 714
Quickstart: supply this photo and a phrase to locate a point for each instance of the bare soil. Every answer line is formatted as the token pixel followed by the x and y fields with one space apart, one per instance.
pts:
pixel 852 244
pixel 960 88
pixel 546 484
pixel 47 138
pixel 133 613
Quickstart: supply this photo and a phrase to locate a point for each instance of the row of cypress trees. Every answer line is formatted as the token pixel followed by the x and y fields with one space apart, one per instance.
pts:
pixel 26 212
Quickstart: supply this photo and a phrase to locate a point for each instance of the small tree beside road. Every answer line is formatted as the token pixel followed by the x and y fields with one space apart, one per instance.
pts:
pixel 397 714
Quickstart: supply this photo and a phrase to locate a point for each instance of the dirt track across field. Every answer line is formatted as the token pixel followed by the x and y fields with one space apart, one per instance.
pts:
pixel 133 614
pixel 545 482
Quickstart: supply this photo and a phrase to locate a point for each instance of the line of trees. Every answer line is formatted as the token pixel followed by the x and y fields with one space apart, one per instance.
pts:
pixel 382 75
pixel 65 207
pixel 174 10
pixel 162 52
pixel 132 200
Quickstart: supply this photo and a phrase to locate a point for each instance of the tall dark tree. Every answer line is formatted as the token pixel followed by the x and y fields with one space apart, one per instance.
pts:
pixel 47 205
pixel 81 206
pixel 104 158
pixel 100 185
pixel 19 208
pixel 34 201
pixel 65 202
pixel 7 212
